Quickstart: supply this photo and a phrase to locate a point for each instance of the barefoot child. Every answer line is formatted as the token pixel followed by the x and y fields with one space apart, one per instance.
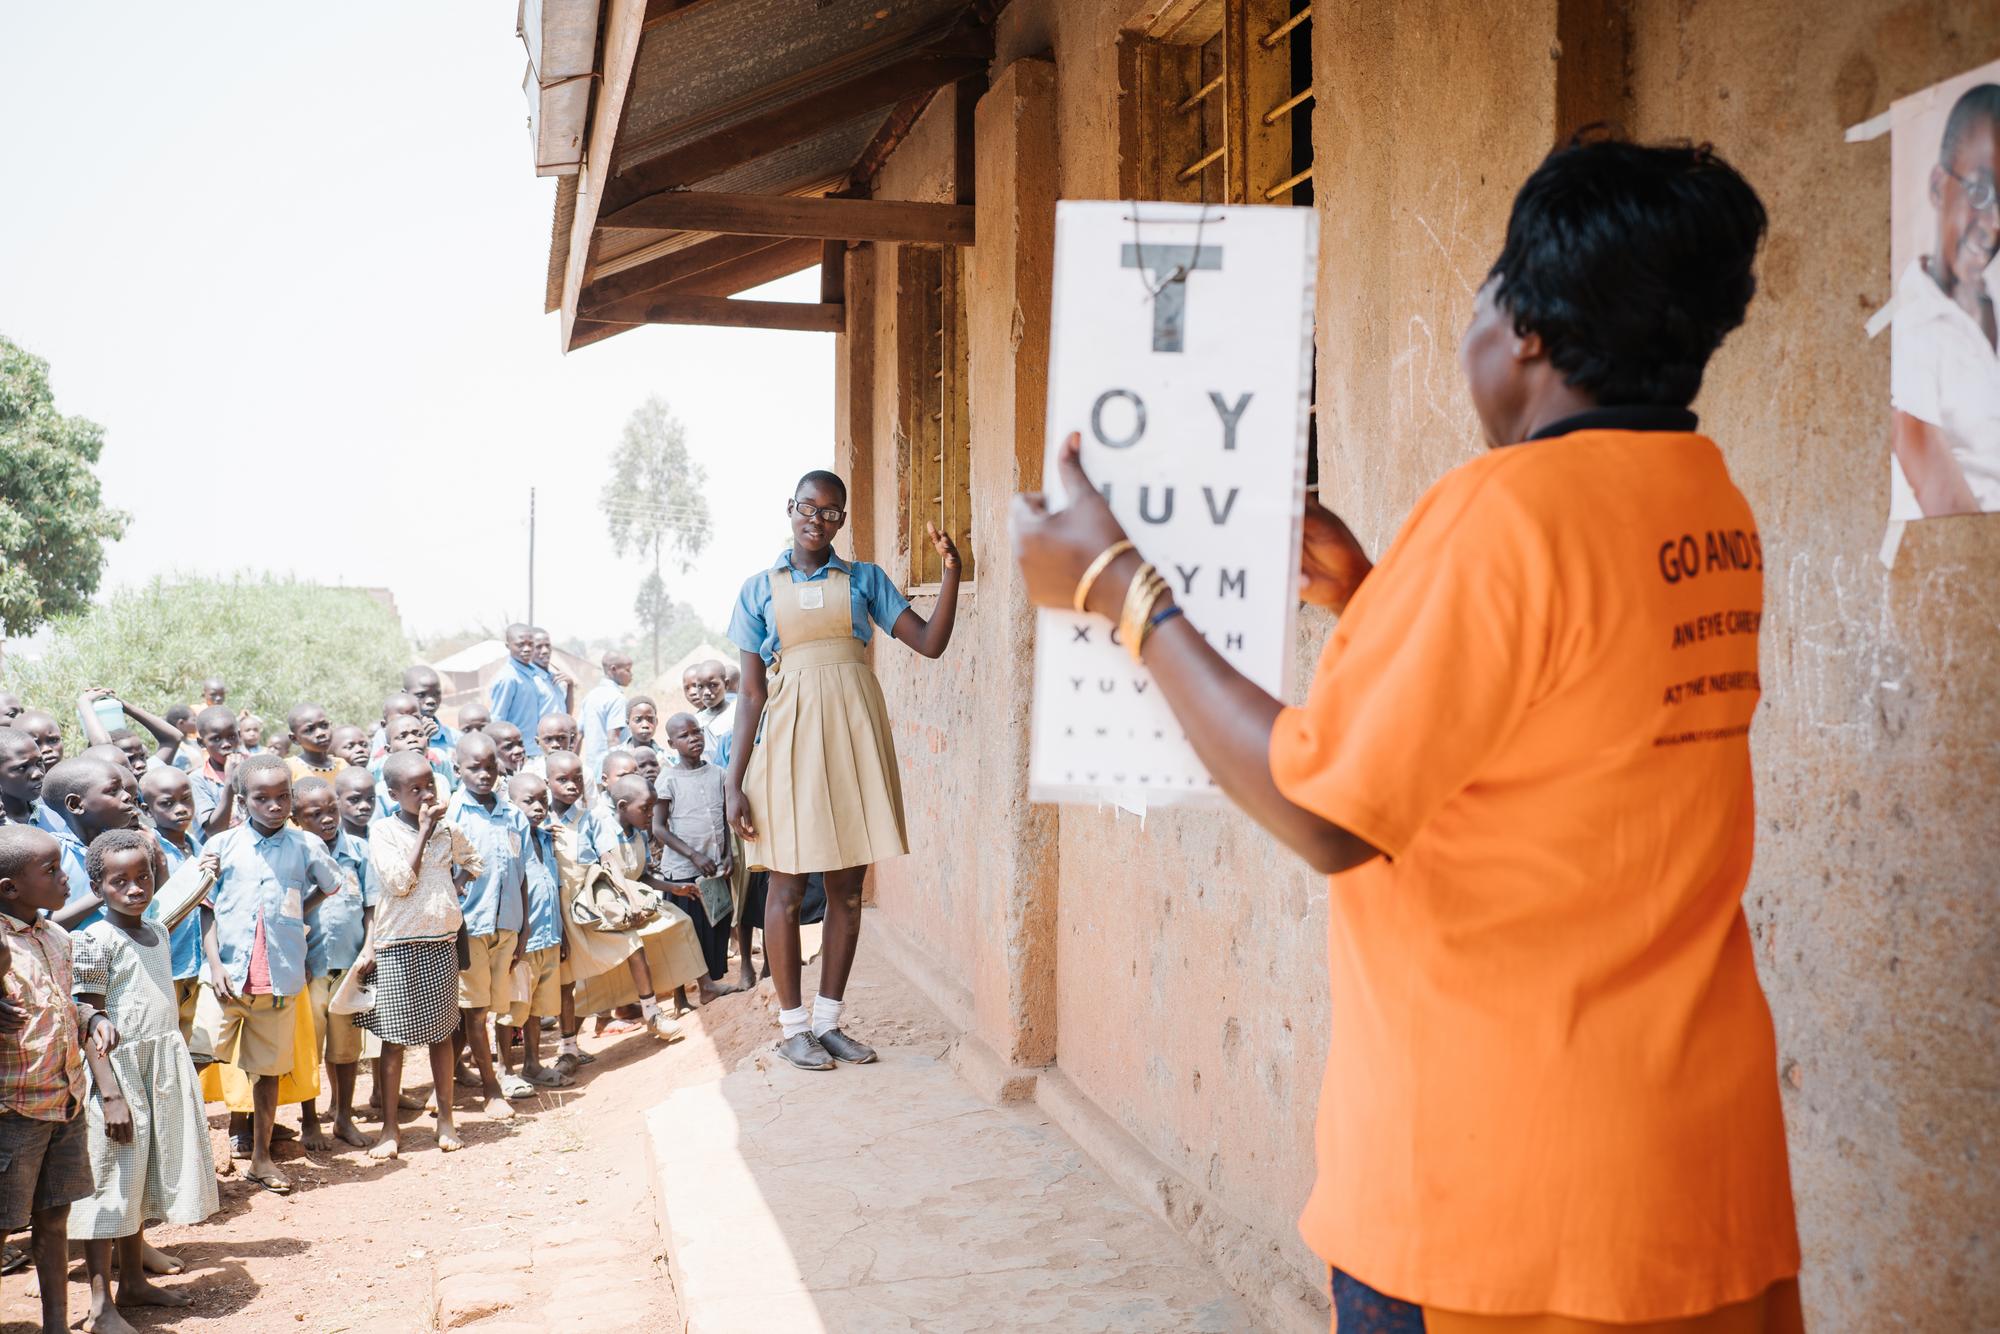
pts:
pixel 831 800
pixel 694 846
pixel 569 812
pixel 159 1169
pixel 542 948
pixel 410 955
pixel 334 934
pixel 253 1002
pixel 46 1039
pixel 493 905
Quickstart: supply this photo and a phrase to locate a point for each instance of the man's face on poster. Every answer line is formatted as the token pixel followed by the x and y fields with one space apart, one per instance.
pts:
pixel 1968 213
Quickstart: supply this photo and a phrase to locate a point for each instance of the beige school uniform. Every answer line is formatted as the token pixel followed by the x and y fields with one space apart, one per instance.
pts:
pixel 673 954
pixel 822 784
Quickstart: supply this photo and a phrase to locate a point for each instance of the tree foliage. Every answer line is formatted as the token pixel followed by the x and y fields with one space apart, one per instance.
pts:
pixel 656 499
pixel 53 523
pixel 276 643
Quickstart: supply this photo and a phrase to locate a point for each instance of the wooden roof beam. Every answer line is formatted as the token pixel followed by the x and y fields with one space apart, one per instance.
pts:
pixel 773 262
pixel 728 312
pixel 668 269
pixel 786 124
pixel 787 215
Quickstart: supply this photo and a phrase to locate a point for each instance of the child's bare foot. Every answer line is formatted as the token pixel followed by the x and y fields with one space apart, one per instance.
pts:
pixel 746 979
pixel 385 1148
pixel 347 1132
pixel 158 1261
pixel 448 1140
pixel 143 1293
pixel 312 1137
pixel 498 1108
pixel 409 1102
pixel 103 1318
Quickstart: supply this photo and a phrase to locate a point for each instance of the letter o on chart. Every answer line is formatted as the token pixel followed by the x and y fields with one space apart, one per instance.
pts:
pixel 1138 419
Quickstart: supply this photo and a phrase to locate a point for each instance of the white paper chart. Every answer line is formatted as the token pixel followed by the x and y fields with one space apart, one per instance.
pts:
pixel 1182 351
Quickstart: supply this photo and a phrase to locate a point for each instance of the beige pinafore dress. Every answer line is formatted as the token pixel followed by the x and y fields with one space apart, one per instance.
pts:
pixel 822 783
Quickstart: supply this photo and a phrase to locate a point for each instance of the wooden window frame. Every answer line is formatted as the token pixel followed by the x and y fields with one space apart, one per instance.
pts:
pixel 933 374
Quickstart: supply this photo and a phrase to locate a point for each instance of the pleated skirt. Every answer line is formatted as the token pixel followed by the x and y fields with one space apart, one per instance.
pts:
pixel 822 784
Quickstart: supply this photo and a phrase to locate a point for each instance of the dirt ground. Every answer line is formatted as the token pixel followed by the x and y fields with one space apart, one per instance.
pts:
pixel 543 1223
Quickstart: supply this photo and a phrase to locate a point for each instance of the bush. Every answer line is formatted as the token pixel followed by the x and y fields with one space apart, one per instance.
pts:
pixel 276 643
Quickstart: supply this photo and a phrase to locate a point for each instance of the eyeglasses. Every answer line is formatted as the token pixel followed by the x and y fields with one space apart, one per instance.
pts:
pixel 807 510
pixel 1979 191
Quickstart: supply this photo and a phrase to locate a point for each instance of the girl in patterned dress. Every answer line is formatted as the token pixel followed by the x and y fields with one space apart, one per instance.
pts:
pixel 164 1174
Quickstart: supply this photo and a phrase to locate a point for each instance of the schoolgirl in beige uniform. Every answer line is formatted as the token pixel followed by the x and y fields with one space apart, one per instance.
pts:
pixel 813 784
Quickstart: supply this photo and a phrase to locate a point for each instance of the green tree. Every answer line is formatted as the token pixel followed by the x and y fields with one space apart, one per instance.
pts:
pixel 275 642
pixel 654 501
pixel 53 524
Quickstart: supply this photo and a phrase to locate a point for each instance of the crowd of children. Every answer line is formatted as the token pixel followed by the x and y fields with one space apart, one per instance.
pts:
pixel 197 910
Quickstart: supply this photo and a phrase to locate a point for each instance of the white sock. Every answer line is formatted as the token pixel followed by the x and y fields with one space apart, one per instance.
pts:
pixel 649 1007
pixel 569 1048
pixel 791 1023
pixel 826 1014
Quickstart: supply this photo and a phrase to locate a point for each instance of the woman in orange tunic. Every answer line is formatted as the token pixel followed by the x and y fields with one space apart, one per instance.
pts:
pixel 1524 760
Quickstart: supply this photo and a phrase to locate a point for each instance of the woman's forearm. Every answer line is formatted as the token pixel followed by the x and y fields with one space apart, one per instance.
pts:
pixel 1933 474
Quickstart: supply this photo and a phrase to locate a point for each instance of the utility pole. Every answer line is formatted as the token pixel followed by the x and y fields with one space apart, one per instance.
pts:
pixel 531 555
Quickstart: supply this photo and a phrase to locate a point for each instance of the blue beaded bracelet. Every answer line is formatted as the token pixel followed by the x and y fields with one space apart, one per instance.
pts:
pixel 1159 619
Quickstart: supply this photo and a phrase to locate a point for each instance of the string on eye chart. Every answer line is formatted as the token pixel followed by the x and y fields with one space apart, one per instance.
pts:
pixel 1179 272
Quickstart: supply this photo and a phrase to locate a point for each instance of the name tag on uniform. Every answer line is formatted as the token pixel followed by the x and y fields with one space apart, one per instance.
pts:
pixel 811 597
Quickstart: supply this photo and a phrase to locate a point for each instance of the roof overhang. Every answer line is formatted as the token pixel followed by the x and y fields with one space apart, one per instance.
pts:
pixel 733 142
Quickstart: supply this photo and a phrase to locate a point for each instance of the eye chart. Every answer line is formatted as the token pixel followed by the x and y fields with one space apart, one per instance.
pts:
pixel 1182 351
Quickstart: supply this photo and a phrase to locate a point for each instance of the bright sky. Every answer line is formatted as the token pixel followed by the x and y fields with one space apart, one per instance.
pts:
pixel 292 260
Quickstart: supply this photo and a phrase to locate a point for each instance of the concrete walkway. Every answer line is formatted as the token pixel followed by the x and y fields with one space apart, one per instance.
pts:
pixel 890 1197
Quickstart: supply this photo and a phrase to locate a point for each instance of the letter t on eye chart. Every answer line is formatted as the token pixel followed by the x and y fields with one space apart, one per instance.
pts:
pixel 1182 351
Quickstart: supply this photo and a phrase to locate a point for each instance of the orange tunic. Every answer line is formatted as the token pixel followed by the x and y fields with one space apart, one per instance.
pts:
pixel 1552 1086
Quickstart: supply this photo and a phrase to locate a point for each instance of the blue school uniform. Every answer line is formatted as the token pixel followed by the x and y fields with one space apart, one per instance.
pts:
pixel 516 697
pixel 601 714
pixel 492 902
pixel 72 847
pixel 335 931
pixel 872 597
pixel 544 928
pixel 184 942
pixel 266 877
pixel 44 818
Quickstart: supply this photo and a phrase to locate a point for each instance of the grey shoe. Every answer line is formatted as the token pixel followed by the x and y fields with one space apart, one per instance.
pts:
pixel 844 1048
pixel 804 1051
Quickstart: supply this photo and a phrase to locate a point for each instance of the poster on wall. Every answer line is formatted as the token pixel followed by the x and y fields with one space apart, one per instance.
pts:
pixel 1944 357
pixel 1182 352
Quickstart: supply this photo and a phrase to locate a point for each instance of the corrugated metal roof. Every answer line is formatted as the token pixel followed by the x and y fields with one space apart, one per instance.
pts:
pixel 728 61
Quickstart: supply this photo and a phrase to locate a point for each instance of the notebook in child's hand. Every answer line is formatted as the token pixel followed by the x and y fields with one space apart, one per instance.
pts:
pixel 183 893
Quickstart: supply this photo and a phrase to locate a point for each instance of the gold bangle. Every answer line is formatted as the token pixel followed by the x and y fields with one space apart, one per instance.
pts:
pixel 1095 570
pixel 1142 626
pixel 1145 589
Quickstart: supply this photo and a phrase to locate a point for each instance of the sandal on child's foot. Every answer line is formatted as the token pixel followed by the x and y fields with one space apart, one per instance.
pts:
pixel 666 1028
pixel 844 1048
pixel 513 1086
pixel 804 1051
pixel 551 1077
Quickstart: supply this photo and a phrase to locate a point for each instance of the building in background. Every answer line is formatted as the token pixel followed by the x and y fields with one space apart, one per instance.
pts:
pixel 1160 990
pixel 467 674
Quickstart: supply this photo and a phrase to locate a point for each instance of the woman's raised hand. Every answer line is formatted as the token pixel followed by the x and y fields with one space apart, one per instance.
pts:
pixel 1054 549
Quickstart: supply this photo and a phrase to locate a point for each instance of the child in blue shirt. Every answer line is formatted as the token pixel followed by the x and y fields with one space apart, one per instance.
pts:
pixel 87 795
pixel 494 907
pixel 253 928
pixel 335 932
pixel 169 799
pixel 543 948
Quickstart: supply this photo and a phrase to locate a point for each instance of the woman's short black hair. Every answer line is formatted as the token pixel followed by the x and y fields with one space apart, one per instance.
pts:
pixel 1632 262
pixel 821 477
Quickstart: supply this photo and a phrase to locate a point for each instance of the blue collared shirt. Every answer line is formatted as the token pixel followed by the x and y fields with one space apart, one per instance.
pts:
pixel 601 713
pixel 553 698
pixel 268 877
pixel 184 942
pixel 873 595
pixel 516 697
pixel 544 892
pixel 492 900
pixel 74 869
pixel 601 832
pixel 44 818
pixel 335 930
